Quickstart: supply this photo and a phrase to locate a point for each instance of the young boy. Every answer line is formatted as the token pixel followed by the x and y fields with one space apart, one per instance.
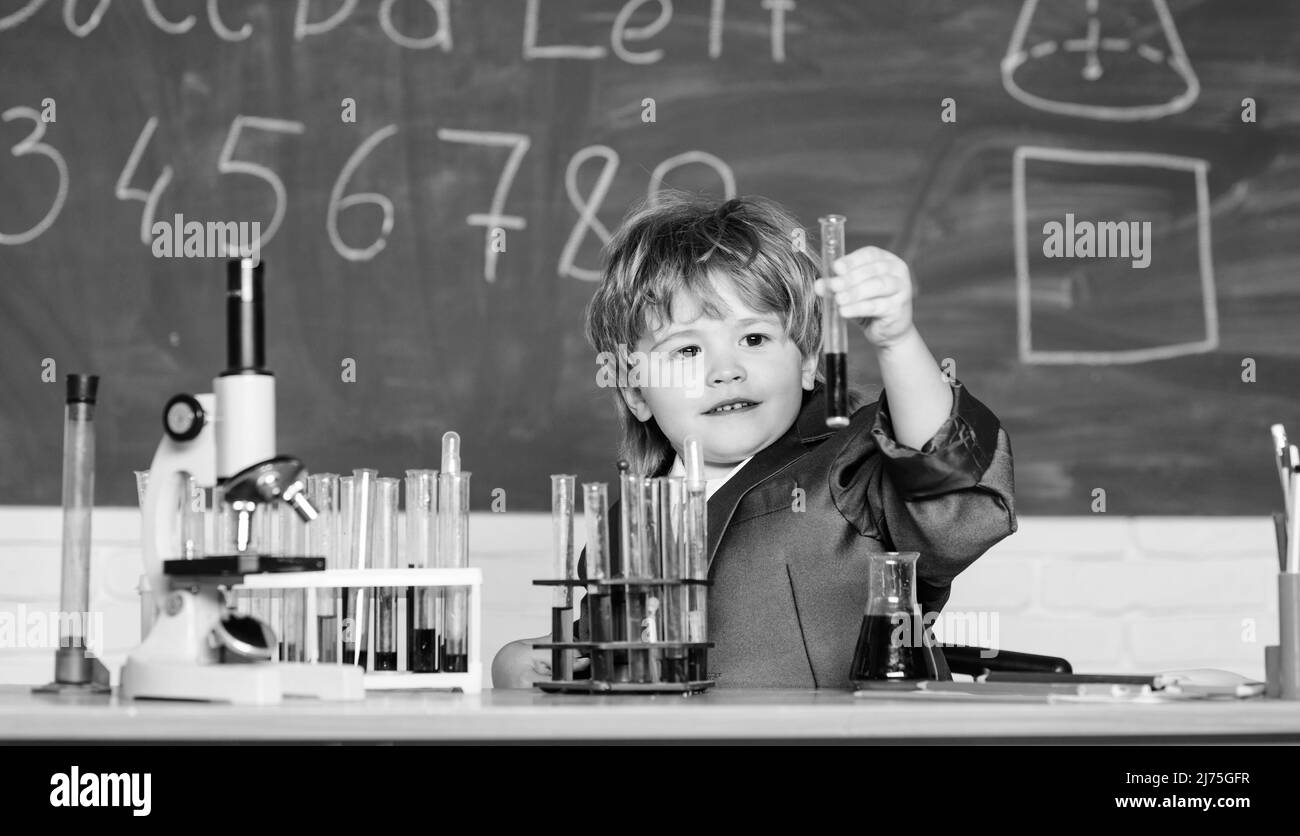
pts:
pixel 793 506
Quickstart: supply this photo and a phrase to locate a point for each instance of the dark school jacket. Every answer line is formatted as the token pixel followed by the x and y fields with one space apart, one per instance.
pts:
pixel 789 580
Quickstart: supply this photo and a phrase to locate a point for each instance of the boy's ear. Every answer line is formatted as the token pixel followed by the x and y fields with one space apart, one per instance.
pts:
pixel 635 402
pixel 808 372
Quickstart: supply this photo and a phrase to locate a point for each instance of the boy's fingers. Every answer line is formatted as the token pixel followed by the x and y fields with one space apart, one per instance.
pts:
pixel 581 663
pixel 862 258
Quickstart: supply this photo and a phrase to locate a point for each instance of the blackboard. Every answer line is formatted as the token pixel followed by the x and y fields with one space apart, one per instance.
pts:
pixel 933 125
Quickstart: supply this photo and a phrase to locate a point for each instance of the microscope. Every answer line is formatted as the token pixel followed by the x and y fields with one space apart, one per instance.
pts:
pixel 198 647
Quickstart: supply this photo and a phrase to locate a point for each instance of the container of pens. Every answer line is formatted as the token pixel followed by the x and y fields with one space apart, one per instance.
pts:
pixel 643 617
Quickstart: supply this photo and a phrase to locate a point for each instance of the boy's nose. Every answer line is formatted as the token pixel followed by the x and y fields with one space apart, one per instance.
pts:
pixel 726 373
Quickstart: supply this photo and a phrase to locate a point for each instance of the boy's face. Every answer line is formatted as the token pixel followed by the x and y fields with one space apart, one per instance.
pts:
pixel 739 382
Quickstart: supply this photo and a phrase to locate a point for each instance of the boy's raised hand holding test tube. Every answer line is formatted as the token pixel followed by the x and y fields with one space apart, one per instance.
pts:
pixel 873 287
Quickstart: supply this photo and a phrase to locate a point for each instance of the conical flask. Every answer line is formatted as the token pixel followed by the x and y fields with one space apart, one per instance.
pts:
pixel 893 649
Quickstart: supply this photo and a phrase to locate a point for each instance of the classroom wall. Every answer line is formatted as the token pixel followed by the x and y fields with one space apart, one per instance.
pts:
pixel 1109 594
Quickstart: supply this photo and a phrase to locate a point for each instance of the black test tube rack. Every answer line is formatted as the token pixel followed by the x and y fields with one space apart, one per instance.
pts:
pixel 620 662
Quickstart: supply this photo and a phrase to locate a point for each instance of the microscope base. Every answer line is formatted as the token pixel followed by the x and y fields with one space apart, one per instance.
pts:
pixel 256 683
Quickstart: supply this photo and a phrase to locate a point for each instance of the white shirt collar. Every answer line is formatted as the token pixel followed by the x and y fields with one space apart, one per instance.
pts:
pixel 710 486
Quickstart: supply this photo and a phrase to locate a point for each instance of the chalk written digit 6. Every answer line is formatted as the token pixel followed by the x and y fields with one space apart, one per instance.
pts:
pixel 338 202
pixel 33 145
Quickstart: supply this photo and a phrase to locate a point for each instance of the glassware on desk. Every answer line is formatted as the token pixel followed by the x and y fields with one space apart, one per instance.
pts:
pixel 894 648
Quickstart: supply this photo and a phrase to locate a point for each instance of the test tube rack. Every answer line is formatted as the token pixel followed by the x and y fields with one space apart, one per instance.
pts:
pixel 620 664
pixel 469 681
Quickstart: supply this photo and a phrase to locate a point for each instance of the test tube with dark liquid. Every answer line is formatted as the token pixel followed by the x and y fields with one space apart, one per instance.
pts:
pixel 835 336
pixel 324 536
pixel 384 553
pixel 453 553
pixel 595 505
pixel 565 569
pixel 424 610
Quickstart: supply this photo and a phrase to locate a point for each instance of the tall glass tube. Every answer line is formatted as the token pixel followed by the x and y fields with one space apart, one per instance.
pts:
pixel 674 601
pixel 346 635
pixel 697 558
pixel 628 603
pixel 651 597
pixel 293 543
pixel 835 335
pixel 384 552
pixel 453 552
pixel 78 503
pixel 148 611
pixel 363 504
pixel 566 568
pixel 595 506
pixel 425 608
pixel 323 536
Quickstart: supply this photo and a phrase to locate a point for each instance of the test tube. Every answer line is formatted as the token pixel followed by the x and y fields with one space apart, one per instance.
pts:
pixel 293 604
pixel 651 520
pixel 193 522
pixel 344 638
pixel 78 503
pixel 425 609
pixel 674 602
pixel 453 552
pixel 363 503
pixel 384 554
pixel 697 558
pixel 835 336
pixel 148 611
pixel 324 535
pixel 628 605
pixel 565 569
pixel 595 506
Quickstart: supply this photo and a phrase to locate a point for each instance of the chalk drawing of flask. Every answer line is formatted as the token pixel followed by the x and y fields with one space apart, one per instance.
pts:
pixel 1109 60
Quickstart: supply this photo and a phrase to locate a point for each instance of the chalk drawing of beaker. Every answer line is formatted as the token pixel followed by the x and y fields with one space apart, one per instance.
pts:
pixel 1110 60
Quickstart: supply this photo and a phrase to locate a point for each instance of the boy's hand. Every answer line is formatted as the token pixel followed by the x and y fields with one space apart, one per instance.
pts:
pixel 874 288
pixel 519 665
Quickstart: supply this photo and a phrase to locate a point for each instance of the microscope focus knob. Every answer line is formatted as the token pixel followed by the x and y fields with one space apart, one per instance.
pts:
pixel 183 418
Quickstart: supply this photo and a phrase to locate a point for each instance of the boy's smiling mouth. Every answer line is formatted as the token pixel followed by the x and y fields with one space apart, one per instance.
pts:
pixel 730 406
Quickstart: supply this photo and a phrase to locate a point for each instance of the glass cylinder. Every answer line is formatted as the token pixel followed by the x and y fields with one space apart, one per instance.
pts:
pixel 78 503
pixel 595 506
pixel 346 636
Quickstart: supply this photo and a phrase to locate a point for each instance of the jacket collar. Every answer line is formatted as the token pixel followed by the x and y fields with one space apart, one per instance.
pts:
pixel 809 428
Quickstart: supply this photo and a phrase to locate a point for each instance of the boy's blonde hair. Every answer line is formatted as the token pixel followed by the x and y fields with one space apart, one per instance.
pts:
pixel 673 242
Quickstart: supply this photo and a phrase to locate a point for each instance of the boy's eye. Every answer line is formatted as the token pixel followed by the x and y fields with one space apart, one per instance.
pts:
pixel 687 351
pixel 755 340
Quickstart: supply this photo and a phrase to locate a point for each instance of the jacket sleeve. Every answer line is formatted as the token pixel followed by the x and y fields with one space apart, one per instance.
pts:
pixel 951 500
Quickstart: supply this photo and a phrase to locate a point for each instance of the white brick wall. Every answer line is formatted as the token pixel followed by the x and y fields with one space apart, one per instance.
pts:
pixel 1122 594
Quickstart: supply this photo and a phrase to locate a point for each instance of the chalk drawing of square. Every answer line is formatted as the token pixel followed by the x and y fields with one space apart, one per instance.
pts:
pixel 1199 169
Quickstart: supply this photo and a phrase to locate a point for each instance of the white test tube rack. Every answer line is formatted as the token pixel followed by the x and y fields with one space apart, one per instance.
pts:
pixel 469 681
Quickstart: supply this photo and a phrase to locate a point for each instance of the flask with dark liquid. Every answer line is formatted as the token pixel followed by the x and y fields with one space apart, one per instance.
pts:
pixel 893 649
